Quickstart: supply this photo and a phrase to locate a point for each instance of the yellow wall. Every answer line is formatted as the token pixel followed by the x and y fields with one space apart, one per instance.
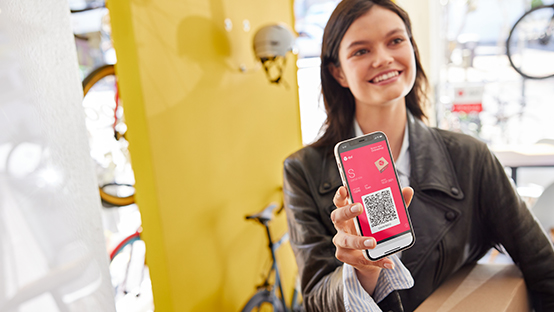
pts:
pixel 207 143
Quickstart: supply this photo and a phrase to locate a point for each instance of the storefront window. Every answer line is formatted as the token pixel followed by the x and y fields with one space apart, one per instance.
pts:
pixel 479 92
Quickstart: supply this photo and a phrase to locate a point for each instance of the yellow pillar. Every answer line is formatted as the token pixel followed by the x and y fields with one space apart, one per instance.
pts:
pixel 207 143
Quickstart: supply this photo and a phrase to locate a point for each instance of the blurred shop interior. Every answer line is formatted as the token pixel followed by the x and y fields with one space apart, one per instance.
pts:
pixel 134 196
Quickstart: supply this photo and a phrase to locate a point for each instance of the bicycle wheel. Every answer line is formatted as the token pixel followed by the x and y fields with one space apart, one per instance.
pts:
pixel 263 301
pixel 103 83
pixel 117 194
pixel 530 46
pixel 125 242
pixel 128 267
pixel 105 125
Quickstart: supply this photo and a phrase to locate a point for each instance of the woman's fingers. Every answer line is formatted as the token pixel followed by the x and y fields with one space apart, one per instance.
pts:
pixel 346 213
pixel 356 259
pixel 408 194
pixel 343 216
pixel 384 263
pixel 349 241
pixel 350 247
pixel 341 197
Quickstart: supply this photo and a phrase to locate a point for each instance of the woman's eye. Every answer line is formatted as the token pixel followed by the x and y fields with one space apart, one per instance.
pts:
pixel 397 40
pixel 361 52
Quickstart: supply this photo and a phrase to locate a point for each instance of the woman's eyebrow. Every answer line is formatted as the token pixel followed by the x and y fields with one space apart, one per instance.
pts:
pixel 396 30
pixel 362 42
pixel 357 43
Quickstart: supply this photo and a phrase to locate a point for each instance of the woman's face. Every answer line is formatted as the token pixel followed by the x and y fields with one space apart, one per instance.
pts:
pixel 377 61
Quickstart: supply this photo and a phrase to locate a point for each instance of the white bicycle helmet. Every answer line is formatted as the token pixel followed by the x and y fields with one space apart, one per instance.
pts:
pixel 272 41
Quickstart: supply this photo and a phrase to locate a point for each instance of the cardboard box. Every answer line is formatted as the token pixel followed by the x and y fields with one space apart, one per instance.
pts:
pixel 480 287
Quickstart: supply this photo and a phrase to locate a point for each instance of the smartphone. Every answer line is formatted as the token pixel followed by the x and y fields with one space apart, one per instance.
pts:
pixel 367 170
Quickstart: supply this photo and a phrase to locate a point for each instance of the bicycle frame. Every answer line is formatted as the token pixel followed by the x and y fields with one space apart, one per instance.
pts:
pixel 273 248
pixel 266 291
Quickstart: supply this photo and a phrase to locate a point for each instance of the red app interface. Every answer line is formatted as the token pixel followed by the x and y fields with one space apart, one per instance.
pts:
pixel 372 182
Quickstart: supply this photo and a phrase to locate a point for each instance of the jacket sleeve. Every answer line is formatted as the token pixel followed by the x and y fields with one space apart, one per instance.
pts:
pixel 514 227
pixel 320 272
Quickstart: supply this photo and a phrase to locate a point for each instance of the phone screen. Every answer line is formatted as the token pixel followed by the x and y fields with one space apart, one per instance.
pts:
pixel 370 174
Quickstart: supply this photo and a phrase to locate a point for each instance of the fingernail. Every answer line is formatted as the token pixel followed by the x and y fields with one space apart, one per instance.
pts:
pixel 369 243
pixel 389 266
pixel 356 208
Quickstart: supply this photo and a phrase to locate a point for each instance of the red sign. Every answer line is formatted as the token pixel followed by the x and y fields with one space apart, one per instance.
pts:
pixel 467 108
pixel 468 98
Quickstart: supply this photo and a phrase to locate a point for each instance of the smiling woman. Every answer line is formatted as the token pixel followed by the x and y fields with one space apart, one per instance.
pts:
pixel 352 21
pixel 461 201
pixel 378 66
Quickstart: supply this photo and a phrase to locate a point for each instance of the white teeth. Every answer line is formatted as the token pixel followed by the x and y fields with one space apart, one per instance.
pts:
pixel 385 76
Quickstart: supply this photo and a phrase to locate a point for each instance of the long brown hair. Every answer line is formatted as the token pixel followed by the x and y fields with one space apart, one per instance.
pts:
pixel 339 102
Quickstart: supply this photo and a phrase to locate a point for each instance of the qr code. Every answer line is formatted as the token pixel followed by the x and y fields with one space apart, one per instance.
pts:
pixel 380 210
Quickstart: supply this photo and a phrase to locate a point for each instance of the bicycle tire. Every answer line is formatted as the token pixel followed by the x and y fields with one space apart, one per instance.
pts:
pixel 116 200
pixel 539 70
pixel 263 301
pixel 129 240
pixel 96 75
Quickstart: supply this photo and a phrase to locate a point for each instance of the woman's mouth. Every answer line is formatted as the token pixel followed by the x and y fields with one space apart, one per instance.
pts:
pixel 385 76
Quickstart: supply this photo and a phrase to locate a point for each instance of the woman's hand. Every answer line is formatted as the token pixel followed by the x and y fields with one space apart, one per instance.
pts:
pixel 350 246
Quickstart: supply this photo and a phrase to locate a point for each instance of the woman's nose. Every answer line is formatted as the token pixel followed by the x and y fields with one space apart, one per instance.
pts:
pixel 382 57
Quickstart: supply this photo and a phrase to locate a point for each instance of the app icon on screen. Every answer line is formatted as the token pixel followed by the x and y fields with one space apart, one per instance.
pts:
pixel 381 164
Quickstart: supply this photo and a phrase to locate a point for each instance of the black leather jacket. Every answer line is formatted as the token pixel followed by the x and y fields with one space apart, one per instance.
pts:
pixel 463 205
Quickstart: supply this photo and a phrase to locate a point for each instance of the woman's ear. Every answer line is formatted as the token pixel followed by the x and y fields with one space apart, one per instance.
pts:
pixel 338 74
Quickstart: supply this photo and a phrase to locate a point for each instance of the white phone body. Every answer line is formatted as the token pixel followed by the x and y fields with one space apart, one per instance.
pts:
pixel 367 170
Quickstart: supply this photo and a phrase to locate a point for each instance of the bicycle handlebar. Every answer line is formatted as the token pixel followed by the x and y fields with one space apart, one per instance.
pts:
pixel 266 214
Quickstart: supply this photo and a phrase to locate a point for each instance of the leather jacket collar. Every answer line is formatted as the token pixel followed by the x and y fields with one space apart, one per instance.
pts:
pixel 422 140
pixel 443 177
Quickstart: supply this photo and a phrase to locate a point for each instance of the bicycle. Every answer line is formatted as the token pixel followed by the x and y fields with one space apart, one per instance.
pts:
pixel 106 127
pixel 105 120
pixel 129 272
pixel 529 46
pixel 270 297
pixel 128 267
